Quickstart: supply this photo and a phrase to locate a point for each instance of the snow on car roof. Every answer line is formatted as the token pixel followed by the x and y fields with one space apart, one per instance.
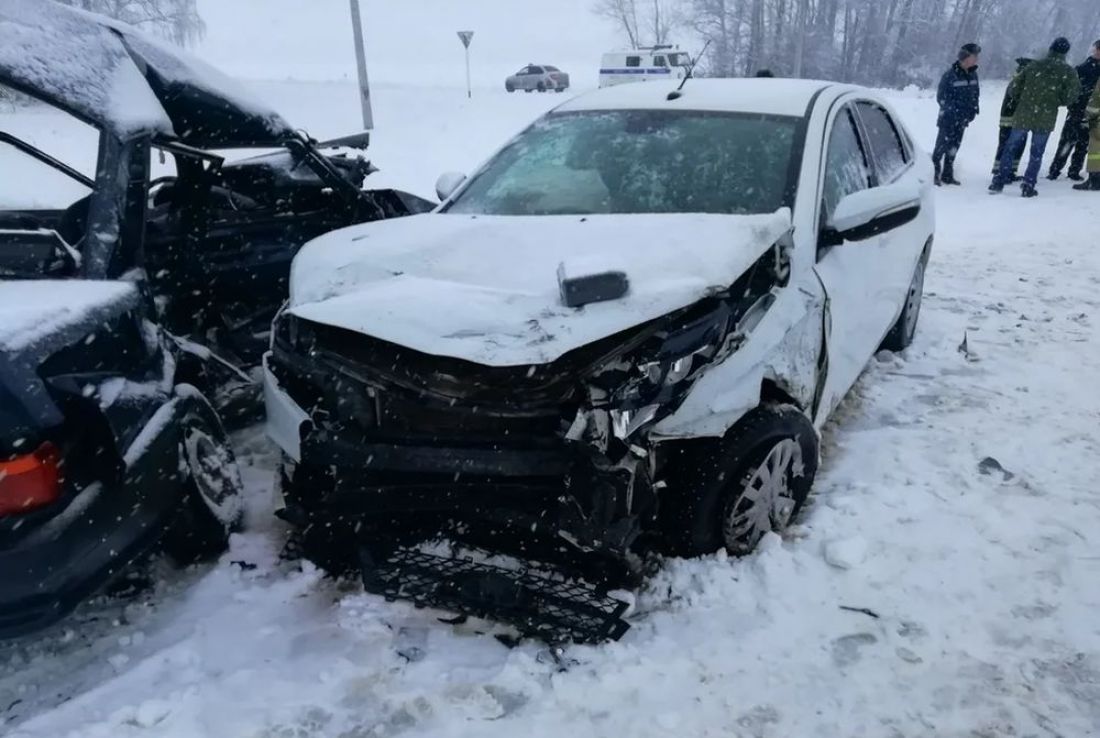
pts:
pixel 33 310
pixel 116 76
pixel 768 96
pixel 54 51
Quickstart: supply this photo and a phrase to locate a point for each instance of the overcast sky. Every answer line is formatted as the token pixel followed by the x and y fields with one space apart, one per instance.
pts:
pixel 407 40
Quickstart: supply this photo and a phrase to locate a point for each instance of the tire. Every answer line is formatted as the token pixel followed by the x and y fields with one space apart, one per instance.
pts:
pixel 560 90
pixel 509 87
pixel 211 508
pixel 542 87
pixel 708 504
pixel 904 331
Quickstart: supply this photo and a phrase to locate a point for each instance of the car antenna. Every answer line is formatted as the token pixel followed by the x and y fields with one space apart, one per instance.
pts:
pixel 677 93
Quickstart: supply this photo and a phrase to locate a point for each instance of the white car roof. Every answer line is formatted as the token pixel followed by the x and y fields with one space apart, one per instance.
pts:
pixel 770 96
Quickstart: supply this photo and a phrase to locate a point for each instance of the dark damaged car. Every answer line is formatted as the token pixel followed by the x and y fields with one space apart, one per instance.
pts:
pixel 620 335
pixel 110 443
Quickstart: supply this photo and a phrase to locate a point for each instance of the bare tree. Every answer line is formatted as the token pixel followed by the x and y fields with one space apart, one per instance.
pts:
pixel 877 42
pixel 641 21
pixel 177 20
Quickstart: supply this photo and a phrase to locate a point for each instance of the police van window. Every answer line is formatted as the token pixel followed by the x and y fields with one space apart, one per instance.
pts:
pixel 634 61
pixel 846 168
pixel 659 61
pixel 889 150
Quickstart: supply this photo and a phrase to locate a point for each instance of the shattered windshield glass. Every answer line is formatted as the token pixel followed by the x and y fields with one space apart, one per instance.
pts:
pixel 638 161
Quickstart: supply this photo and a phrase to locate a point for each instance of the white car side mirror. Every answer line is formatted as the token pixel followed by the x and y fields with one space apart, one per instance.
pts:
pixel 448 183
pixel 867 213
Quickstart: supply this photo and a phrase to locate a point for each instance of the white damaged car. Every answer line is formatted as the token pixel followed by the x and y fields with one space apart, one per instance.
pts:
pixel 622 333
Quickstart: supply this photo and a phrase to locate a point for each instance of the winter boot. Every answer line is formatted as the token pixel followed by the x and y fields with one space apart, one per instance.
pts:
pixel 1075 176
pixel 1091 184
pixel 949 179
pixel 1028 191
pixel 996 188
pixel 1053 176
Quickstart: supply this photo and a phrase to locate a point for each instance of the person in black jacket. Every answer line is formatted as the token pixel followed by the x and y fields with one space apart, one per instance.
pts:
pixel 1008 109
pixel 958 96
pixel 1075 131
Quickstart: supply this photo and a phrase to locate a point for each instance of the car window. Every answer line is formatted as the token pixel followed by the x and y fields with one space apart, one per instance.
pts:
pixel 31 184
pixel 552 69
pixel 536 70
pixel 638 161
pixel 659 61
pixel 885 142
pixel 634 61
pixel 846 168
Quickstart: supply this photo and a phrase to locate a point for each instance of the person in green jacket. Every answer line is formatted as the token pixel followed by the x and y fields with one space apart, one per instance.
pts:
pixel 1092 162
pixel 1039 90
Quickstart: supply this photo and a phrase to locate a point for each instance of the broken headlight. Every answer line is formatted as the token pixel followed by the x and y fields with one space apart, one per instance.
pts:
pixel 649 383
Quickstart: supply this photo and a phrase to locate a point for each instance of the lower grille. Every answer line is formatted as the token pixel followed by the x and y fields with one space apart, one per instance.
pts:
pixel 546 604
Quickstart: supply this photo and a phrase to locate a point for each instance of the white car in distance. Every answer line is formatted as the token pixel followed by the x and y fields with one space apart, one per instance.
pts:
pixel 623 330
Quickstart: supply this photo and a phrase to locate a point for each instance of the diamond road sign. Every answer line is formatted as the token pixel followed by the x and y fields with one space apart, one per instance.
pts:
pixel 466 37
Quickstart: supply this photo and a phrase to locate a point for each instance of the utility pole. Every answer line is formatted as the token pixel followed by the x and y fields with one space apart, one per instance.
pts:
pixel 466 37
pixel 361 60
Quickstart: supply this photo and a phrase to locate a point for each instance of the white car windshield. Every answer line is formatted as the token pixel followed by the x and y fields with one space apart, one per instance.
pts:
pixel 638 161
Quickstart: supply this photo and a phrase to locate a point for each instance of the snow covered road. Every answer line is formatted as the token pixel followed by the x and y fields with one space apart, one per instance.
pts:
pixel 945 582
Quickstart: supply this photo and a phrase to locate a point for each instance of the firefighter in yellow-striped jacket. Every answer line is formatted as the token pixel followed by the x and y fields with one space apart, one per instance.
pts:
pixel 1092 120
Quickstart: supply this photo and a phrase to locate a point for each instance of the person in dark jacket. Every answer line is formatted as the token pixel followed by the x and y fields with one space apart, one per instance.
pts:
pixel 1008 108
pixel 1075 131
pixel 958 96
pixel 1039 90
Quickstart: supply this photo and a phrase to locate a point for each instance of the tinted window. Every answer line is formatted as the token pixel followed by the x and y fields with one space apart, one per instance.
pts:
pixel 846 169
pixel 883 138
pixel 634 61
pixel 638 161
pixel 552 69
pixel 536 70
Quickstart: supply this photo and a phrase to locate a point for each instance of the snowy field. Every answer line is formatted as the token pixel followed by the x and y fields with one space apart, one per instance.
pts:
pixel 978 587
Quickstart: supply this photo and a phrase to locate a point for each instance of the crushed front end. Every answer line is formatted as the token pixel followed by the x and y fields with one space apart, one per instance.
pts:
pixel 390 449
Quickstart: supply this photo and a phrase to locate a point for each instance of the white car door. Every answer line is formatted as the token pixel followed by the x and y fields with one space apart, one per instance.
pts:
pixel 865 281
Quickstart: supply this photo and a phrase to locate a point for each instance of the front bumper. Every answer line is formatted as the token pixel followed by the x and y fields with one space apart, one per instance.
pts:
pixel 105 527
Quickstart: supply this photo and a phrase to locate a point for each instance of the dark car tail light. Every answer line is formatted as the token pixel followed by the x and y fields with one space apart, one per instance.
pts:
pixel 31 481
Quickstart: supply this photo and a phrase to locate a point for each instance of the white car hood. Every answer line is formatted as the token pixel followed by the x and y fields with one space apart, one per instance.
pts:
pixel 485 288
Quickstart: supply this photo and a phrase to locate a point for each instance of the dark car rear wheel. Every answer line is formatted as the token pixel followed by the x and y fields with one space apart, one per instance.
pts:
pixel 730 493
pixel 542 87
pixel 211 508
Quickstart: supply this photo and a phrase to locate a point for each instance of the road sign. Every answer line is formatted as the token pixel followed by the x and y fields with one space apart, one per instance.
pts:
pixel 466 37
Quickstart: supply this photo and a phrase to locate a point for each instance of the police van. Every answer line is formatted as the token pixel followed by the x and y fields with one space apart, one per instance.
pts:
pixel 644 65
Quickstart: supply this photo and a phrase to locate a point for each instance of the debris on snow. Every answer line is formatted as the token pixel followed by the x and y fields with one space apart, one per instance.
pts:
pixel 989 466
